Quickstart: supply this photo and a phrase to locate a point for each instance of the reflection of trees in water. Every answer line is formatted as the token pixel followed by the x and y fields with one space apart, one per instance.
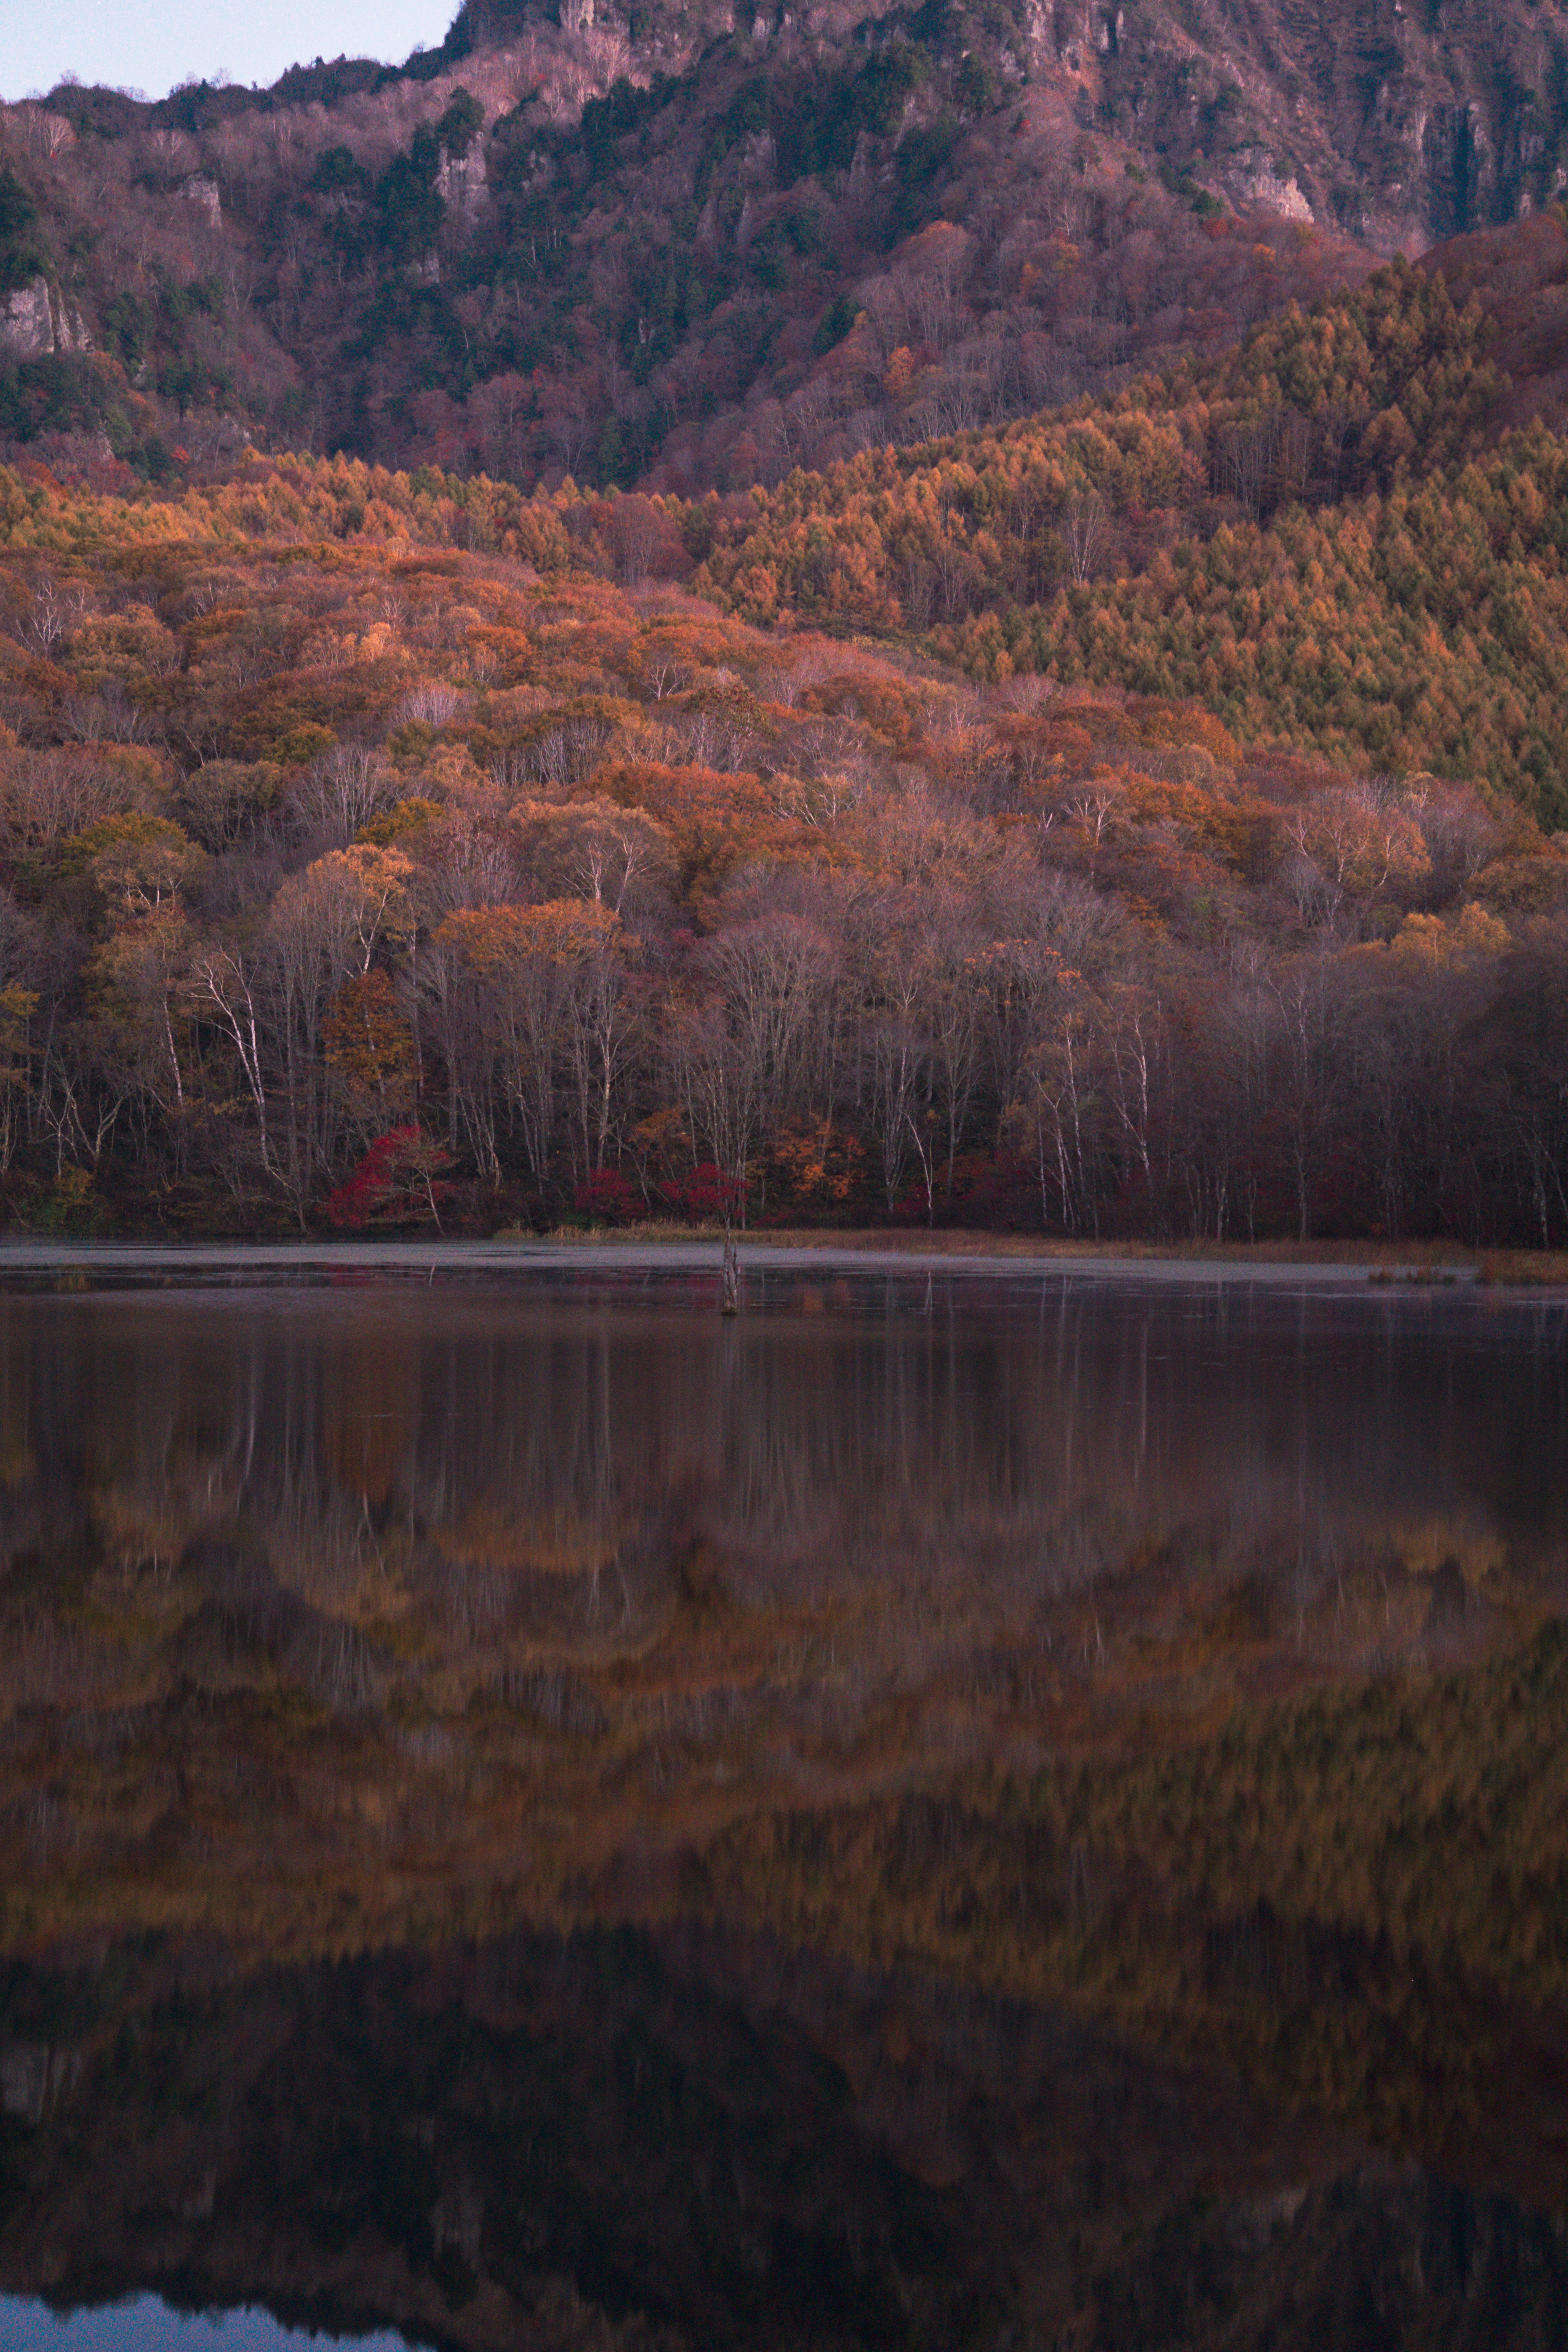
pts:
pixel 932 1471
pixel 313 1603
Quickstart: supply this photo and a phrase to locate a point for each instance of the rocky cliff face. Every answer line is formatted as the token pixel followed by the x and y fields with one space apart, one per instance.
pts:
pixel 37 319
pixel 1401 123
pixel 1405 123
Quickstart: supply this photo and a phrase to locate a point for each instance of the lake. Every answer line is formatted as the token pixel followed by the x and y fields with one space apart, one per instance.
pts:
pixel 991 1805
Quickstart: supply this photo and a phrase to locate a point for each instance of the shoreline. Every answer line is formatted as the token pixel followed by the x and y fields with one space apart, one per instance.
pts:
pixel 1271 1264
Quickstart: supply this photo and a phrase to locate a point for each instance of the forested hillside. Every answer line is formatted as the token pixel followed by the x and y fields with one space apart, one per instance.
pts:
pixel 506 270
pixel 1339 534
pixel 374 857
pixel 632 246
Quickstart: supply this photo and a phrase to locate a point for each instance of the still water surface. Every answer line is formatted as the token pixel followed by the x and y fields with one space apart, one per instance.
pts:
pixel 989 1808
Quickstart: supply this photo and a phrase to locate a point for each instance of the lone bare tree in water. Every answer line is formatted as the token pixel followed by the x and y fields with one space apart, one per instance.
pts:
pixel 746 1053
pixel 730 1280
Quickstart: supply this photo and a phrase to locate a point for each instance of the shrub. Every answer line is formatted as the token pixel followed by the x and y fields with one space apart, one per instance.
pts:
pixel 704 1196
pixel 607 1199
pixel 396 1183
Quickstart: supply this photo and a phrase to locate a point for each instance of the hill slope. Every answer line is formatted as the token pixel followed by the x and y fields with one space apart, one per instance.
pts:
pixel 362 840
pixel 629 245
pixel 1337 535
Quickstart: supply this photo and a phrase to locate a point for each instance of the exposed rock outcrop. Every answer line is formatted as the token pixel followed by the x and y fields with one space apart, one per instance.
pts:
pixel 200 190
pixel 1256 180
pixel 461 183
pixel 36 320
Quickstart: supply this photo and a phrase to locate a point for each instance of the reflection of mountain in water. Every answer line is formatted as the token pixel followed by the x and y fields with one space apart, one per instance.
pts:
pixel 692 2140
pixel 1168 1665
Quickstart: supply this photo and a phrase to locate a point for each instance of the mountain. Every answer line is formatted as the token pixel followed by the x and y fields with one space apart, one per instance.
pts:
pixel 846 515
pixel 630 245
pixel 656 2142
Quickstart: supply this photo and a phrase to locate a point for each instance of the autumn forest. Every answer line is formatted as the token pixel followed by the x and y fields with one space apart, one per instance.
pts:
pixel 1142 815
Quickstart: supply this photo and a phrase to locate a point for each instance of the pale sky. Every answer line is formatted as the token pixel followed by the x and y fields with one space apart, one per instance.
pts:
pixel 144 2324
pixel 152 45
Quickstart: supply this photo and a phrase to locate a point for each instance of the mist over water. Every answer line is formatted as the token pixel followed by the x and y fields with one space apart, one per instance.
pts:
pixel 527 1806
